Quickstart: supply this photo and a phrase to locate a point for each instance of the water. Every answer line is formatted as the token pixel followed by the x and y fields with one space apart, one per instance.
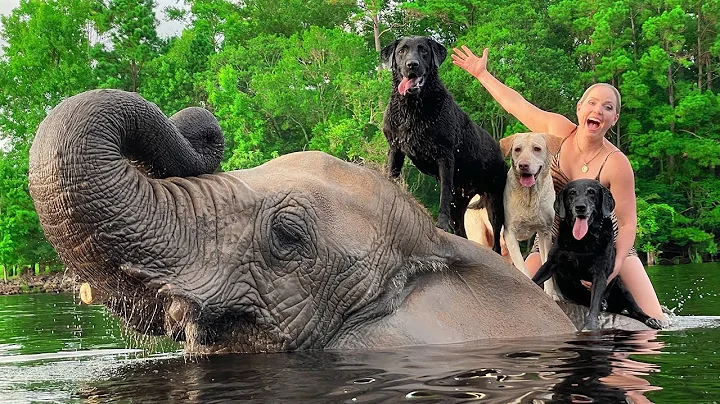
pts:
pixel 54 350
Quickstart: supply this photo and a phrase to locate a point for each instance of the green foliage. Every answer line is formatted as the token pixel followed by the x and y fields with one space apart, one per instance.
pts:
pixel 313 90
pixel 175 78
pixel 45 59
pixel 518 34
pixel 298 75
pixel 131 25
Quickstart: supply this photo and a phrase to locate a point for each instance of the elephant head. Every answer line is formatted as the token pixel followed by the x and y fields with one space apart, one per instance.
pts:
pixel 304 252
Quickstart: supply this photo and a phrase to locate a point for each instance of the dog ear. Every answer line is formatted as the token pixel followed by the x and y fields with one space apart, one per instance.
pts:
pixel 553 143
pixel 559 204
pixel 506 144
pixel 387 55
pixel 608 202
pixel 439 52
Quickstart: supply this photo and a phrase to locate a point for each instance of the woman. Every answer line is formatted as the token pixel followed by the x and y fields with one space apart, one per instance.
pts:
pixel 585 153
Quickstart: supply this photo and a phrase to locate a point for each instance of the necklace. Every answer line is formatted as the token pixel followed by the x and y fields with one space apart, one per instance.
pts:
pixel 584 167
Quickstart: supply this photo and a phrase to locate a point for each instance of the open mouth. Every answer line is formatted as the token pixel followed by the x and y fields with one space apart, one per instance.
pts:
pixel 411 84
pixel 580 227
pixel 528 180
pixel 593 123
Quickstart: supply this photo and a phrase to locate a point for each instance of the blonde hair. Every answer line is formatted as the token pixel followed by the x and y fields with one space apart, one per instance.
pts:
pixel 606 85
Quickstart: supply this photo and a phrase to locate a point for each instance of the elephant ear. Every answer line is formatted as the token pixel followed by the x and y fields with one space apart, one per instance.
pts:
pixel 387 55
pixel 608 202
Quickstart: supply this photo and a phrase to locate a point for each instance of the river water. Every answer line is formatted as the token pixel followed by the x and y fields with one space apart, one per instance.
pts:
pixel 55 350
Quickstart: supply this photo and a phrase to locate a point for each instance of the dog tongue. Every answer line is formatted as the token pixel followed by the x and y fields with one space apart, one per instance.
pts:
pixel 527 180
pixel 580 228
pixel 405 85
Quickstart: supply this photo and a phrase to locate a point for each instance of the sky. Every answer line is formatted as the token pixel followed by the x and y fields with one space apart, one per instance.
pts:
pixel 165 29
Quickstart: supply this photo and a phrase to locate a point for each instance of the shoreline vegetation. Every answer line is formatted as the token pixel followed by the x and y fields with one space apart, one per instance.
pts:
pixel 54 282
pixel 310 78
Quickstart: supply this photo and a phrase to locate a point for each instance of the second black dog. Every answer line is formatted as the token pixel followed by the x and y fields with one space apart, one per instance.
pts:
pixel 584 250
pixel 423 122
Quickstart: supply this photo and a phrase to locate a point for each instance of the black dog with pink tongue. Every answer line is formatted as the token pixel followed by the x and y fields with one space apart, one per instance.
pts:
pixel 423 122
pixel 585 250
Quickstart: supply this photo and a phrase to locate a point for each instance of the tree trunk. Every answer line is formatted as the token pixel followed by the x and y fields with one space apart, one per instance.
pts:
pixel 634 36
pixel 671 94
pixel 650 258
pixel 133 76
pixel 376 31
pixel 699 52
pixel 709 78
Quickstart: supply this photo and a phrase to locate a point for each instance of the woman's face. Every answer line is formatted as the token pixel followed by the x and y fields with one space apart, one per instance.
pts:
pixel 598 111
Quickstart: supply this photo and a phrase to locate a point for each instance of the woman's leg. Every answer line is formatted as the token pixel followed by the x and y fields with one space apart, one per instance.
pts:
pixel 637 281
pixel 533 263
pixel 634 277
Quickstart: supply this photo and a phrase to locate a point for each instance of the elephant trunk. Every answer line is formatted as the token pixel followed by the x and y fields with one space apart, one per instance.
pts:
pixel 89 195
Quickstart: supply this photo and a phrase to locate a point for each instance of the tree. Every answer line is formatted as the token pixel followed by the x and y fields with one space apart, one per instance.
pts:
pixel 290 94
pixel 528 53
pixel 45 60
pixel 131 25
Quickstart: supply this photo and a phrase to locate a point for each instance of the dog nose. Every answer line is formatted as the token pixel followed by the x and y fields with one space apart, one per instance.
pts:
pixel 412 64
pixel 524 166
pixel 580 209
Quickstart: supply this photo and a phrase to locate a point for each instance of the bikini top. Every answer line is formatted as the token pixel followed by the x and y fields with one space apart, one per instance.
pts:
pixel 559 177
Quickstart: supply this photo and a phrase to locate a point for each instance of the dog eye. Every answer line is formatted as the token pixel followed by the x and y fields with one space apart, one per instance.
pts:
pixel 518 149
pixel 423 51
pixel 572 192
pixel 537 149
pixel 591 192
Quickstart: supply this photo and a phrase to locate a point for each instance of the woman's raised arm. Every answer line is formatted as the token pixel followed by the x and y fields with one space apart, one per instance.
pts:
pixel 536 119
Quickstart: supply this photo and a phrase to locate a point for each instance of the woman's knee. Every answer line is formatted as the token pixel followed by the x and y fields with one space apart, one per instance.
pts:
pixel 532 262
pixel 638 283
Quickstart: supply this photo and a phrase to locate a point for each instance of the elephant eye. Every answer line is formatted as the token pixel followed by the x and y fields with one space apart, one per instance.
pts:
pixel 290 237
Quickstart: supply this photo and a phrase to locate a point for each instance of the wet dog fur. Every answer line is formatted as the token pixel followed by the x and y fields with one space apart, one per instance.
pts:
pixel 585 250
pixel 529 193
pixel 423 122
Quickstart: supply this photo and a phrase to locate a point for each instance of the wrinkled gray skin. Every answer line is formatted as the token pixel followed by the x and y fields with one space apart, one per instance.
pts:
pixel 304 252
pixel 578 315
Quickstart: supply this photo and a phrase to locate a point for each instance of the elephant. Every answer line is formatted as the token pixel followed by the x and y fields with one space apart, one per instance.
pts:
pixel 306 251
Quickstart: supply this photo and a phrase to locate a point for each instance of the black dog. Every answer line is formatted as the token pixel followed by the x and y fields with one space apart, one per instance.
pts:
pixel 423 121
pixel 584 249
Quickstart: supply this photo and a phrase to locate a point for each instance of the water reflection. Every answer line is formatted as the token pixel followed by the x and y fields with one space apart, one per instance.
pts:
pixel 52 349
pixel 600 367
pixel 603 370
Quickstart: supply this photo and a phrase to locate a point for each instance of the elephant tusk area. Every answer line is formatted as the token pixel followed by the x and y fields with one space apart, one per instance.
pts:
pixel 86 293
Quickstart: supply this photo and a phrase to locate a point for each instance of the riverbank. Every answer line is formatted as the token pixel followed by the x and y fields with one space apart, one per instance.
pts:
pixel 56 282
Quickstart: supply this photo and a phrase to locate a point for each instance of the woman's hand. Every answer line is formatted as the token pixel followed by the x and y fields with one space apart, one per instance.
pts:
pixel 616 269
pixel 615 272
pixel 465 59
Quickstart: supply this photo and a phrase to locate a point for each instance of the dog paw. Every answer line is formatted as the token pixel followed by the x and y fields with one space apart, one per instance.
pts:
pixel 556 297
pixel 444 225
pixel 589 327
pixel 654 323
